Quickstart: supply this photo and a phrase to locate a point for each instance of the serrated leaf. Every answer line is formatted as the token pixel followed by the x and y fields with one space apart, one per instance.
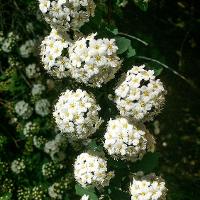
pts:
pixel 123 44
pixel 131 52
pixel 88 191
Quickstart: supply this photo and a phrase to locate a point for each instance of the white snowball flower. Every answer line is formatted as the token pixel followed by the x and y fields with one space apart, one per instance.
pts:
pixel 27 48
pixel 85 197
pixel 32 71
pixel 23 109
pixel 94 61
pixel 147 187
pixel 126 140
pixel 91 170
pixel 52 49
pixel 42 107
pixel 55 148
pixel 63 15
pixel 140 96
pixel 76 114
pixel 18 166
pixel 30 129
pixel 37 89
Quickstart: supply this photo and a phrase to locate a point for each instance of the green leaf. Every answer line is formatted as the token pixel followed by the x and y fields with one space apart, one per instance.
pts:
pixel 123 44
pixel 88 191
pixel 149 162
pixel 131 52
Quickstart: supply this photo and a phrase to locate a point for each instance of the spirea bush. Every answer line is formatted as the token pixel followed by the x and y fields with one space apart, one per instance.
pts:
pixel 78 106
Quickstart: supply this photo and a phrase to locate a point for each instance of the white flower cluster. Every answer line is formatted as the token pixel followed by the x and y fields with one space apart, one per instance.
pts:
pixel 93 61
pixel 85 197
pixel 9 42
pixel 52 48
pixel 50 169
pixel 27 48
pixel 126 140
pixel 30 129
pixel 39 141
pixel 140 96
pixel 42 107
pixel 32 71
pixel 91 170
pixel 56 191
pixel 149 187
pixel 18 166
pixel 55 148
pixel 76 114
pixel 23 109
pixel 37 89
pixel 63 15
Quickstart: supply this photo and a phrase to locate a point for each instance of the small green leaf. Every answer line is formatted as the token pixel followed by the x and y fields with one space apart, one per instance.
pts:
pixel 87 191
pixel 123 44
pixel 131 52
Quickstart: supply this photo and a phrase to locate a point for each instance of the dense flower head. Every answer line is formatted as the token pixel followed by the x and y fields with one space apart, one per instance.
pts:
pixel 92 170
pixel 93 61
pixel 140 96
pixel 126 140
pixel 38 193
pixel 27 48
pixel 30 129
pixel 23 109
pixel 63 15
pixel 56 190
pixel 32 71
pixel 56 147
pixel 76 114
pixel 37 89
pixel 52 49
pixel 42 107
pixel 147 187
pixel 18 166
pixel 85 197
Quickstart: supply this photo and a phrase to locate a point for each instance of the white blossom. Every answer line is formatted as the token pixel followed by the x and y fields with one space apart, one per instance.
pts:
pixel 93 61
pixel 56 191
pixel 27 48
pixel 52 49
pixel 18 166
pixel 32 71
pixel 91 170
pixel 147 187
pixel 127 141
pixel 30 129
pixel 76 114
pixel 63 15
pixel 42 107
pixel 85 197
pixel 37 89
pixel 23 109
pixel 140 96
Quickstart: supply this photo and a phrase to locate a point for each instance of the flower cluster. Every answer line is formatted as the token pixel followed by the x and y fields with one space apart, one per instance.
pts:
pixel 55 148
pixel 76 114
pixel 56 191
pixel 50 169
pixel 18 166
pixel 42 107
pixel 92 170
pixel 23 109
pixel 27 48
pixel 140 96
pixel 30 129
pixel 52 48
pixel 126 140
pixel 38 193
pixel 93 61
pixel 37 89
pixel 32 71
pixel 85 197
pixel 149 187
pixel 63 15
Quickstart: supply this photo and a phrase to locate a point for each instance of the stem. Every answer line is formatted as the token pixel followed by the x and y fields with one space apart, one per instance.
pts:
pixel 134 38
pixel 170 69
